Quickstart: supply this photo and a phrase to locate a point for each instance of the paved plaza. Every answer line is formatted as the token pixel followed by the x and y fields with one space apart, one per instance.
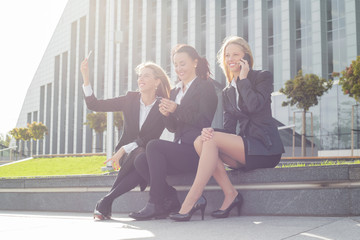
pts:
pixel 50 225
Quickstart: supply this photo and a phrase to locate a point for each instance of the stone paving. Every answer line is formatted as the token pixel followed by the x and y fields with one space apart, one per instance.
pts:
pixel 50 225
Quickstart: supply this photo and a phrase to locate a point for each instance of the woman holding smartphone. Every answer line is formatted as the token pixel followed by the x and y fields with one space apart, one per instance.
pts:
pixel 142 123
pixel 191 108
pixel 247 101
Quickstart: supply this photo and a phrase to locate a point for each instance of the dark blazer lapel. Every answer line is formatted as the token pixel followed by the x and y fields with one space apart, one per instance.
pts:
pixel 152 116
pixel 174 92
pixel 189 96
pixel 231 95
pixel 136 112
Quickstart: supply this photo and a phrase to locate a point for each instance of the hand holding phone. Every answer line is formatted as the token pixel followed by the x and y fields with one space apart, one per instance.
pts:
pixel 89 54
pixel 244 72
pixel 247 58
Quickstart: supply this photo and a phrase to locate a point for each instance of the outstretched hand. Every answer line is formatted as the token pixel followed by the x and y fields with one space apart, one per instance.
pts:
pixel 115 160
pixel 84 68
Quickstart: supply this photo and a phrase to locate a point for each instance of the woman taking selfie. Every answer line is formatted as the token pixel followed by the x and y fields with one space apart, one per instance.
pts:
pixel 247 101
pixel 142 123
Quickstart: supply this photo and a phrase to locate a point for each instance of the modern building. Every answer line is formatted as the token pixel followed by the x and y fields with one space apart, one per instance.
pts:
pixel 317 36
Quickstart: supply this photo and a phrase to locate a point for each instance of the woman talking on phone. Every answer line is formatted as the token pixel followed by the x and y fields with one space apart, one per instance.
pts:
pixel 142 123
pixel 247 101
pixel 191 107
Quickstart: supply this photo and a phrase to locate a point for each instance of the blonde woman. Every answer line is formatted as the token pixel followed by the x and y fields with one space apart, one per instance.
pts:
pixel 142 123
pixel 247 101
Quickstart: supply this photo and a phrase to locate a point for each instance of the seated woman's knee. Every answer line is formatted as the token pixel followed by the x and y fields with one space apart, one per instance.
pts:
pixel 153 144
pixel 140 161
pixel 197 143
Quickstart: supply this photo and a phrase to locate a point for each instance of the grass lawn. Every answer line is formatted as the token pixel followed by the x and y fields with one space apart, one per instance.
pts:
pixel 325 163
pixel 54 167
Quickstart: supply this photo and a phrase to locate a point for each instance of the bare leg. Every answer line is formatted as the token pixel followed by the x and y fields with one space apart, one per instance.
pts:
pixel 210 164
pixel 220 176
pixel 223 180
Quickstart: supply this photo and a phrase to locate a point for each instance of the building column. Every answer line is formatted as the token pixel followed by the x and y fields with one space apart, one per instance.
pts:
pixel 234 14
pixel 161 51
pixel 194 21
pixel 176 29
pixel 213 41
pixel 258 34
pixel 133 48
pixel 352 23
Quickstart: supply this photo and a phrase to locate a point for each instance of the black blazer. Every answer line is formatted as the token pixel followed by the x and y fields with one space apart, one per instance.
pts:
pixel 196 111
pixel 130 106
pixel 256 122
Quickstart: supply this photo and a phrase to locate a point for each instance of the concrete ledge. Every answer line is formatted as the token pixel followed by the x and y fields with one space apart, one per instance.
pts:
pixel 305 191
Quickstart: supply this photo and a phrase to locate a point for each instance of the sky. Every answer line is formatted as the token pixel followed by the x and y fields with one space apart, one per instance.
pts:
pixel 26 27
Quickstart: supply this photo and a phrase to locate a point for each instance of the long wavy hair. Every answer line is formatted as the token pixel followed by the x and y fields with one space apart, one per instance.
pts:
pixel 221 54
pixel 163 89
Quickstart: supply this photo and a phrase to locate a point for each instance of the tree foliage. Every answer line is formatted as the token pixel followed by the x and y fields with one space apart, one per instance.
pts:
pixel 25 134
pixel 37 130
pixel 5 140
pixel 350 79
pixel 304 91
pixel 118 120
pixel 96 121
pixel 15 133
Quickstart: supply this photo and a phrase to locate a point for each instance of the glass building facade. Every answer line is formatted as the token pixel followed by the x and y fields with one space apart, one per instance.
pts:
pixel 317 36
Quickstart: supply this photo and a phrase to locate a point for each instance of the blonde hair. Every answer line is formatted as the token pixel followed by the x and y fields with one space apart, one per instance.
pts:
pixel 163 89
pixel 221 54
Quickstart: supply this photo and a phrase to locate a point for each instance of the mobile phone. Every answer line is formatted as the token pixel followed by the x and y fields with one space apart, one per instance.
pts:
pixel 89 54
pixel 158 98
pixel 248 59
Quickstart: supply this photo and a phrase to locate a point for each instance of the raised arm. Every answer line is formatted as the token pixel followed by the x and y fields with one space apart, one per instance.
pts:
pixel 94 104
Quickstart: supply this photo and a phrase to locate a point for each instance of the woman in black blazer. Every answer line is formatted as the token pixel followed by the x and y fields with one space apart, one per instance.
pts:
pixel 247 101
pixel 191 107
pixel 142 123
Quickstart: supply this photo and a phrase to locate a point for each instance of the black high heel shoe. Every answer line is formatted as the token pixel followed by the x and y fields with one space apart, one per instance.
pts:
pixel 225 213
pixel 99 215
pixel 200 204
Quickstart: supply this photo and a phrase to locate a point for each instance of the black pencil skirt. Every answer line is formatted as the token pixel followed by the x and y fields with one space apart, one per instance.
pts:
pixel 259 161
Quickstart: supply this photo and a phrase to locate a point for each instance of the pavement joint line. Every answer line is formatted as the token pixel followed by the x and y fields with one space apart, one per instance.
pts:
pixel 260 186
pixel 311 229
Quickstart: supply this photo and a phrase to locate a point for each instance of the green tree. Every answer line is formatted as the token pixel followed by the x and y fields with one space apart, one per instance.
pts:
pixel 98 122
pixel 5 140
pixel 350 79
pixel 37 131
pixel 303 92
pixel 25 134
pixel 16 134
pixel 118 120
pixel 21 134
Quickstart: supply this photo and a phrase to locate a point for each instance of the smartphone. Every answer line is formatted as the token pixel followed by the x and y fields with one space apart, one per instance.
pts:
pixel 89 54
pixel 248 59
pixel 158 98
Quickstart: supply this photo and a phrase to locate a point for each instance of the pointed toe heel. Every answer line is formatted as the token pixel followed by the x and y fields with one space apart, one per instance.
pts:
pixel 200 204
pixel 238 201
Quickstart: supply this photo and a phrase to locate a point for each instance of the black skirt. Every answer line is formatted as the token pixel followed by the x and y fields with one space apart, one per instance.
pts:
pixel 259 161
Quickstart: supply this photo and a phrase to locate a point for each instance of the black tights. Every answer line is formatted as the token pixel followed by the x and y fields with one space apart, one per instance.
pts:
pixel 124 183
pixel 165 158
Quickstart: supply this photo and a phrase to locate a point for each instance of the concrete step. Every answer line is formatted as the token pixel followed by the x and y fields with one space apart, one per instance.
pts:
pixel 305 191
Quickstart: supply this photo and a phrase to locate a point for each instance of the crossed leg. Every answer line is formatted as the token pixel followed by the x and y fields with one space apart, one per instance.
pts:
pixel 221 148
